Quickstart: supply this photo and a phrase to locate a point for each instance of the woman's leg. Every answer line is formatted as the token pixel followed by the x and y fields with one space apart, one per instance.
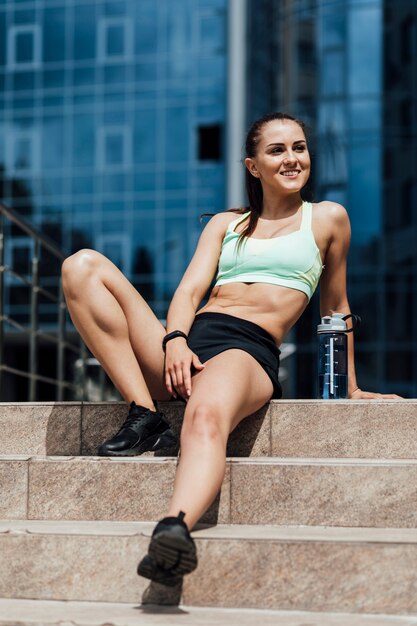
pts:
pixel 232 386
pixel 117 325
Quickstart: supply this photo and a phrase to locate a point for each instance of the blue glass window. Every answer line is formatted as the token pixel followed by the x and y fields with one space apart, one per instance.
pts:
pixel 23 81
pixel 84 140
pixel 146 27
pixel 145 137
pixel 116 247
pixel 54 39
pixel 114 74
pixel 114 39
pixel 365 51
pixel 213 68
pixel 84 76
pixel 53 78
pixel 177 133
pixel 212 32
pixel 84 35
pixel 144 180
pixel 333 73
pixel 24 46
pixel 23 151
pixel 175 249
pixel 113 183
pixel 53 151
pixel 114 146
pixel 3 38
pixel 115 7
pixel 22 157
pixel 83 185
pixel 146 72
pixel 333 27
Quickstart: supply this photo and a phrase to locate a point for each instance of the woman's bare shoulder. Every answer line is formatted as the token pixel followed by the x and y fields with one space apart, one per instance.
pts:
pixel 220 221
pixel 329 210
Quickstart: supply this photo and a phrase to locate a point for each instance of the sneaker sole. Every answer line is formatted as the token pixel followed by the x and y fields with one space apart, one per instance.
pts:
pixel 167 439
pixel 148 570
pixel 173 552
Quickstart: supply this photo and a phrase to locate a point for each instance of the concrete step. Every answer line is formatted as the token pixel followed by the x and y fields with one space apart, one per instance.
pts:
pixel 55 613
pixel 283 568
pixel 333 492
pixel 284 428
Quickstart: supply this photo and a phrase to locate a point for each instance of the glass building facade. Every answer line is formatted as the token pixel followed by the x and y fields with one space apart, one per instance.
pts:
pixel 112 127
pixel 112 121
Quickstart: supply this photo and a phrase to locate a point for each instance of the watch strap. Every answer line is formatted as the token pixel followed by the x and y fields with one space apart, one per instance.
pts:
pixel 173 335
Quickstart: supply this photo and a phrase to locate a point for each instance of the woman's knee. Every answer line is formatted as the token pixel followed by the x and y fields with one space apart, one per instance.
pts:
pixel 202 421
pixel 78 267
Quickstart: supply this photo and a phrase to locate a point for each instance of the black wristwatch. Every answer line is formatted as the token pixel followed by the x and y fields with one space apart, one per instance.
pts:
pixel 173 335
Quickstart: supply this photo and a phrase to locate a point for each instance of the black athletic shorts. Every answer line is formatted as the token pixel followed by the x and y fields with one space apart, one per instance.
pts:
pixel 213 333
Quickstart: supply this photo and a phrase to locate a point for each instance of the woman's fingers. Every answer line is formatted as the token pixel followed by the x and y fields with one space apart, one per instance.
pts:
pixel 197 363
pixel 183 377
pixel 391 396
pixel 169 385
pixel 187 382
pixel 358 394
pixel 178 374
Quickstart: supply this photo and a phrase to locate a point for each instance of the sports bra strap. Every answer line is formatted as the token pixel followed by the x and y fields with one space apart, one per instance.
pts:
pixel 237 221
pixel 307 216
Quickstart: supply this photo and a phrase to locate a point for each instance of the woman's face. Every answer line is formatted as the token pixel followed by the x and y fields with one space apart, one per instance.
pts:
pixel 282 161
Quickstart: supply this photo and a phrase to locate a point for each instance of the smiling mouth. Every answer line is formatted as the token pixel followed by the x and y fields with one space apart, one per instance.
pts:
pixel 290 173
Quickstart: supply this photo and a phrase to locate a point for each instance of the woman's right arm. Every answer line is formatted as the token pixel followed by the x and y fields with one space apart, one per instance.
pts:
pixel 187 297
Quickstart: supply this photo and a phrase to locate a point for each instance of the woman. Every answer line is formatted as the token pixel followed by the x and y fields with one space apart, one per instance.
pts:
pixel 224 360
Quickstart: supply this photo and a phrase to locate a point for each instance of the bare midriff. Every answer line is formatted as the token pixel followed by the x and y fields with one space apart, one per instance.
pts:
pixel 272 307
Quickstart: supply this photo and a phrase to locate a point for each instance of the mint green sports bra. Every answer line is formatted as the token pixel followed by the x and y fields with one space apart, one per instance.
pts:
pixel 291 260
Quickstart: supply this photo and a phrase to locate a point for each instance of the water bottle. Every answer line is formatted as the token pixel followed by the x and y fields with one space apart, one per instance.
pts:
pixel 333 355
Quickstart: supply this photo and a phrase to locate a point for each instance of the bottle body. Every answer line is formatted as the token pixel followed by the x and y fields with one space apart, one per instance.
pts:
pixel 332 366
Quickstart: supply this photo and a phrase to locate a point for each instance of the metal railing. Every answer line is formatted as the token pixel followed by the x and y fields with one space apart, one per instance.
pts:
pixel 33 331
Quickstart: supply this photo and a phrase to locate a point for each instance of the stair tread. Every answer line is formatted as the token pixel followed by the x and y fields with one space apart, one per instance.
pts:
pixel 52 612
pixel 271 460
pixel 218 532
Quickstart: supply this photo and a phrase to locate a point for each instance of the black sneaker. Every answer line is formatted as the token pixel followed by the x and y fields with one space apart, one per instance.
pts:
pixel 149 569
pixel 143 431
pixel 171 554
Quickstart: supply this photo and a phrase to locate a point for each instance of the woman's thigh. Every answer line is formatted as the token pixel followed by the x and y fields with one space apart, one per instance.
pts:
pixel 234 384
pixel 145 330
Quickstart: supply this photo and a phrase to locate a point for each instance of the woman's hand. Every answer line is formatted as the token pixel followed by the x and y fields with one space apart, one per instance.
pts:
pixel 358 394
pixel 178 362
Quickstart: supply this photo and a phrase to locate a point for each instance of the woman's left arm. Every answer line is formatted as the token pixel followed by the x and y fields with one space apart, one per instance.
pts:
pixel 333 295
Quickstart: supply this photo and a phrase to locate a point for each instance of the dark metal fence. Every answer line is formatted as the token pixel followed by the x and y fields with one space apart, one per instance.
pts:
pixel 32 330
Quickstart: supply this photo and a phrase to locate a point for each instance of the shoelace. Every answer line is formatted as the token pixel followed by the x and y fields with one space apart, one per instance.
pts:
pixel 133 418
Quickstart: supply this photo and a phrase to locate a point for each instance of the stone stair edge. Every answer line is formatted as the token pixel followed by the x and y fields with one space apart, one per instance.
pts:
pixel 231 460
pixel 123 614
pixel 274 402
pixel 217 532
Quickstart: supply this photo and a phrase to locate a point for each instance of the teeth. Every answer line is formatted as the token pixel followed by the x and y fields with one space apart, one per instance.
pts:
pixel 290 173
